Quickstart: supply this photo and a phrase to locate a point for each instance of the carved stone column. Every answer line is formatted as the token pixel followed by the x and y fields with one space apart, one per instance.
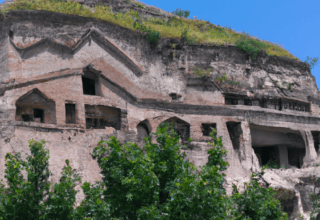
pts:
pixel 246 150
pixel 283 154
pixel 311 153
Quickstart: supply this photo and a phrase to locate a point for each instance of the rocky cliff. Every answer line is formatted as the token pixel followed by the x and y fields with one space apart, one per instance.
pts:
pixel 73 81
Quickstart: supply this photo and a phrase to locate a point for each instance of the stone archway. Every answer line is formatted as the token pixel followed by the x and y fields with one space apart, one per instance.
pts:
pixel 181 127
pixel 144 130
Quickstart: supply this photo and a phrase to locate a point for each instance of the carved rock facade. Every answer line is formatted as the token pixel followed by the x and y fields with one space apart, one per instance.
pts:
pixel 74 81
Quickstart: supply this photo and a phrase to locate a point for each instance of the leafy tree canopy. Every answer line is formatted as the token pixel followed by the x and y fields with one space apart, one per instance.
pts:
pixel 157 183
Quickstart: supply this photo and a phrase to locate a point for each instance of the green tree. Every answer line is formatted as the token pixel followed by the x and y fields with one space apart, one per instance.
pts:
pixel 156 184
pixel 181 13
pixel 159 184
pixel 257 202
pixel 31 197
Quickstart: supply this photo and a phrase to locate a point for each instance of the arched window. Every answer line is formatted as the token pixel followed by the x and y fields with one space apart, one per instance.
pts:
pixel 143 130
pixel 182 128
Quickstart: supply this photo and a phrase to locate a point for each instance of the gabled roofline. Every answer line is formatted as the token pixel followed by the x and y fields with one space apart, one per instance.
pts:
pixel 62 50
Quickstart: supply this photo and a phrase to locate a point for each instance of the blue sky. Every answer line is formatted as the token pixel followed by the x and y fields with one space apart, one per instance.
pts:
pixel 295 24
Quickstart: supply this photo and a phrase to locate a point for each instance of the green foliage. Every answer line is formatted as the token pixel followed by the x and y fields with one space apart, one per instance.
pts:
pixel 271 165
pixel 93 206
pixel 222 78
pixel 181 13
pixel 159 184
pixel 250 46
pixel 33 197
pixel 257 202
pixel 151 35
pixel 311 62
pixel 62 197
pixel 315 198
pixel 192 31
pixel 139 5
pixel 197 71
pixel 284 194
pixel 225 79
pixel 185 36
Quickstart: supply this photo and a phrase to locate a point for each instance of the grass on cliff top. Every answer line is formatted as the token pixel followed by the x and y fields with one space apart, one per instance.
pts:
pixel 194 31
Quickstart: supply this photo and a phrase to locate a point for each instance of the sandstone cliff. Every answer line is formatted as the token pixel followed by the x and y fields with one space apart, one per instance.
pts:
pixel 74 81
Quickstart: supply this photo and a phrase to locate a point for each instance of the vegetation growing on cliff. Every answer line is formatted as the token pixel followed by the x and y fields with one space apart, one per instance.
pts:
pixel 157 184
pixel 194 31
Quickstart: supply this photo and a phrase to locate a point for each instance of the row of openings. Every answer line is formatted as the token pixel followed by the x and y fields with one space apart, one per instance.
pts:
pixel 97 117
pixel 275 147
pixel 182 128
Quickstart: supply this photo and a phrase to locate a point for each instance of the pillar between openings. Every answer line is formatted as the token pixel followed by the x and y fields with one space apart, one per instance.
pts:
pixel 283 153
pixel 311 153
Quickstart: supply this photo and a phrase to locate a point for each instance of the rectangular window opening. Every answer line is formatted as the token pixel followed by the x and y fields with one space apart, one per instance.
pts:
pixel 89 87
pixel 38 115
pixel 207 128
pixel 70 113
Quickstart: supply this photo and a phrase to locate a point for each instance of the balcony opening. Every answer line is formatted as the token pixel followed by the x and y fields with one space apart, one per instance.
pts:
pixel 99 117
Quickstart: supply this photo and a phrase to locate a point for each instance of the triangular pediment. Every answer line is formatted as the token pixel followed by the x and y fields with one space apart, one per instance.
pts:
pixel 68 51
pixel 34 96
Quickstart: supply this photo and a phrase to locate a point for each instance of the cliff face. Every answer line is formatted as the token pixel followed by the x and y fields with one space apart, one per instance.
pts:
pixel 74 81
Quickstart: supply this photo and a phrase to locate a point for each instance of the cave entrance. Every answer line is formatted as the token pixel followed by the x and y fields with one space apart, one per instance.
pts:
pixel 99 117
pixel 34 106
pixel 278 147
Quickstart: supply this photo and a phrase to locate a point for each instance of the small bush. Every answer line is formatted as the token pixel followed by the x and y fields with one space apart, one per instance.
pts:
pixel 271 165
pixel 197 71
pixel 250 46
pixel 181 13
pixel 153 36
pixel 139 5
pixel 311 62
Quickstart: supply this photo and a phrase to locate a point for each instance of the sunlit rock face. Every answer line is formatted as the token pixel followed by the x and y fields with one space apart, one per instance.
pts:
pixel 74 81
